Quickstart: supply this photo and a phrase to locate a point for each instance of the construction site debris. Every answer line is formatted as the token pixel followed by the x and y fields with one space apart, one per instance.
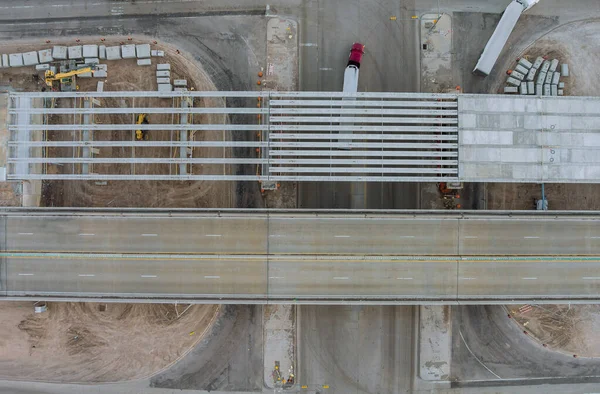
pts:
pixel 75 52
pixel 45 55
pixel 165 87
pixel 128 51
pixel 113 53
pixel 16 59
pixel 30 58
pixel 59 52
pixel 142 51
pixel 163 66
pixel 102 67
pixel 144 62
pixel 102 52
pixel 90 50
pixel 180 82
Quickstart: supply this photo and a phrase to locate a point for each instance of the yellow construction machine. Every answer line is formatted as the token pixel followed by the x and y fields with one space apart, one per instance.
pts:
pixel 141 134
pixel 53 80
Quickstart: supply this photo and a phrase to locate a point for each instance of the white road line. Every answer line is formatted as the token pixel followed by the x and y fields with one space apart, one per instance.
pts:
pixel 325 68
pixel 25 233
pixel 404 278
pixel 342 236
pixel 471 236
pixel 25 274
pixel 309 44
pixel 212 277
pixel 593 237
pixel 340 278
pixel 276 236
pixel 590 277
pixel 468 278
pixel 86 275
pixel 406 236
pixel 532 278
pixel 148 276
pixel 149 235
pixel 86 235
pixel 276 277
pixel 531 237
pixel 213 235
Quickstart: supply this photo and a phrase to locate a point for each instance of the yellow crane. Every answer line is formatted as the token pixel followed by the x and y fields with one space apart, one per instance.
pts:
pixel 141 134
pixel 52 77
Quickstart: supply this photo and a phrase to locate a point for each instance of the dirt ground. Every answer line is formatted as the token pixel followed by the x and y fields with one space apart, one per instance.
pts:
pixel 121 342
pixel 125 75
pixel 564 328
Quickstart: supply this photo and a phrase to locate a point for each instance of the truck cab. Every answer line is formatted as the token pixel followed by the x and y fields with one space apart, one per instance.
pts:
pixel 356 54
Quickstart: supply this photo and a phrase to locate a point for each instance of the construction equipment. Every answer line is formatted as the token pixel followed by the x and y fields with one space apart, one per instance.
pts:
pixel 65 81
pixel 141 134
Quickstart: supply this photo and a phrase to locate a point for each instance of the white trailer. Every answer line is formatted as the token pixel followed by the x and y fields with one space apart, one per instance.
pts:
pixel 507 23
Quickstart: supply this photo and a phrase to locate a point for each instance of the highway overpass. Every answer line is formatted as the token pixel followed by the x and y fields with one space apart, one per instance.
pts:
pixel 261 256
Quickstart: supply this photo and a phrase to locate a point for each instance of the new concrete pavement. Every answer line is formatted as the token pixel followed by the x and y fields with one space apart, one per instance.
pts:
pixel 316 257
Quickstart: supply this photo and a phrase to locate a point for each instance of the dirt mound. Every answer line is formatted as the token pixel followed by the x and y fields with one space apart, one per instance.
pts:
pixel 114 342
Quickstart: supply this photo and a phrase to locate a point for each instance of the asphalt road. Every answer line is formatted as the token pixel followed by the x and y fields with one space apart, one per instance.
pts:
pixel 302 255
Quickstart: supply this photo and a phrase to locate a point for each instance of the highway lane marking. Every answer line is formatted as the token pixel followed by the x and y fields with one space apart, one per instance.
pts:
pixel 340 278
pixel 404 278
pixel 148 276
pixel 325 68
pixel 531 237
pixel 86 235
pixel 86 275
pixel 213 235
pixel 212 277
pixel 471 236
pixel 532 278
pixel 593 237
pixel 468 278
pixel 342 236
pixel 276 277
pixel 276 236
pixel 308 44
pixel 590 277
pixel 406 236
pixel 25 274
pixel 25 233
pixel 149 235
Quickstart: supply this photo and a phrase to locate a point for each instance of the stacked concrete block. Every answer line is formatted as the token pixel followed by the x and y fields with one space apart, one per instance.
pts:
pixel 144 62
pixel 160 80
pixel 522 69
pixel 15 59
pixel 43 66
pixel 165 87
pixel 162 67
pixel 513 81
pixel 160 53
pixel 113 53
pixel 30 58
pixel 4 63
pixel 553 90
pixel 100 74
pixel 163 73
pixel 545 66
pixel 546 90
pixel 561 85
pixel 59 52
pixel 511 90
pixel 555 78
pixel 90 51
pixel 531 74
pixel 531 87
pixel 179 89
pixel 91 61
pixel 102 52
pixel 100 86
pixel 128 51
pixel 523 88
pixel 539 89
pixel 517 75
pixel 180 82
pixel 75 52
pixel 553 65
pixel 564 70
pixel 101 67
pixel 45 55
pixel 142 51
pixel 561 92
pixel 85 75
pixel 538 62
pixel 541 78
pixel 525 63
pixel 549 77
